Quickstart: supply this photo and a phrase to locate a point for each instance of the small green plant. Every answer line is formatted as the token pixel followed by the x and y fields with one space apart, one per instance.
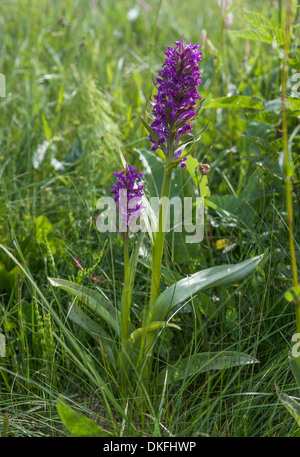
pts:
pixel 43 341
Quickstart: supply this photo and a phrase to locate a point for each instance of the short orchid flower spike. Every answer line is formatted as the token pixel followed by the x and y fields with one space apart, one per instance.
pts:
pixel 128 194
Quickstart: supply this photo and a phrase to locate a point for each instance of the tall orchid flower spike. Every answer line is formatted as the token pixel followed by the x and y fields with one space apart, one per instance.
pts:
pixel 175 105
pixel 174 108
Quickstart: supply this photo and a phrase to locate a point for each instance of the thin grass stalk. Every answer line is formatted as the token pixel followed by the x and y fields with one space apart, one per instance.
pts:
pixel 287 171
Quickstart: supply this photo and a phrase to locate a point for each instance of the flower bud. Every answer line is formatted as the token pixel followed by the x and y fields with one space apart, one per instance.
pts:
pixel 204 168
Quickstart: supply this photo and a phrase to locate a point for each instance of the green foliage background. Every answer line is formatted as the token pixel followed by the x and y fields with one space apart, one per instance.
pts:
pixel 78 77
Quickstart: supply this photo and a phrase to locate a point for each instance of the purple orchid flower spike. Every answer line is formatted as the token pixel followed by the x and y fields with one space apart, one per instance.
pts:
pixel 128 194
pixel 175 105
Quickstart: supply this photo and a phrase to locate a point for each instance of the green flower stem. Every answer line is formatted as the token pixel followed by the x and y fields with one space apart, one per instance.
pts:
pixel 125 311
pixel 288 177
pixel 125 317
pixel 159 239
pixel 157 254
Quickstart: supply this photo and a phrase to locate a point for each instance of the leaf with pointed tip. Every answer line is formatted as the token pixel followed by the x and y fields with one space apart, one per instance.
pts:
pixel 202 362
pixel 136 336
pixel 78 424
pixel 291 404
pixel 96 301
pixel 185 288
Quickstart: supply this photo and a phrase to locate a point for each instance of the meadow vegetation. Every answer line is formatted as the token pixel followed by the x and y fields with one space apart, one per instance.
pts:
pixel 78 80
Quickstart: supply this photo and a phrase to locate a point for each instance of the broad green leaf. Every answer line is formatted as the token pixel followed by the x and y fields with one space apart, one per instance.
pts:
pixel 93 299
pixel 78 424
pixel 187 287
pixel 202 362
pixel 293 104
pixel 92 328
pixel 291 404
pixel 267 117
pixel 236 101
pixel 274 106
